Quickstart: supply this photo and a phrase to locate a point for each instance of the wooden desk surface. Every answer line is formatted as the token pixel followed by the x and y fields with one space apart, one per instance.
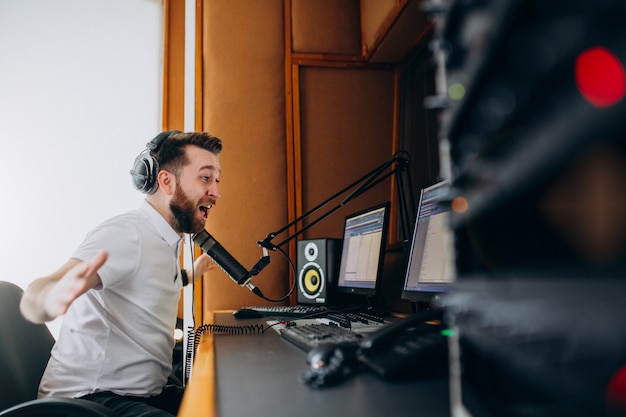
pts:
pixel 258 374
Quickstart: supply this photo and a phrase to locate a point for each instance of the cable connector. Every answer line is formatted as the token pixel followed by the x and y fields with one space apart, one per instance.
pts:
pixel 254 289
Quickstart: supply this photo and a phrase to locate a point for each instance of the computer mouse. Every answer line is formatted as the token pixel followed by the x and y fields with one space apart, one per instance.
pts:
pixel 329 364
pixel 247 313
pixel 321 355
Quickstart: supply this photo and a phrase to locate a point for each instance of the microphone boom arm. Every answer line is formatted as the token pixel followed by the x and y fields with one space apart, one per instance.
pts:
pixel 365 183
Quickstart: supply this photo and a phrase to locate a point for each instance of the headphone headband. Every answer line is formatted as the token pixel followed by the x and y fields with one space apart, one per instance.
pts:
pixel 155 143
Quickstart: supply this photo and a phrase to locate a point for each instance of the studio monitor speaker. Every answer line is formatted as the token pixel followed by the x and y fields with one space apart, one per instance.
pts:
pixel 317 269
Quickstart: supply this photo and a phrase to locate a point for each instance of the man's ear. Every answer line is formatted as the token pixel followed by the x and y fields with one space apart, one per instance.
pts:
pixel 167 182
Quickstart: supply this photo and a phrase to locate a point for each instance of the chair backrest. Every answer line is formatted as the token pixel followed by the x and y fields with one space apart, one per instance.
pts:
pixel 24 349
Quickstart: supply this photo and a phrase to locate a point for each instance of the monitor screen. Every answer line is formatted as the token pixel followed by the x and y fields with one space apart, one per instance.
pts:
pixel 430 268
pixel 364 239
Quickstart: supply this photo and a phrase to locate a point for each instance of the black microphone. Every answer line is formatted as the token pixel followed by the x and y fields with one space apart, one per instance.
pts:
pixel 222 258
pixel 225 261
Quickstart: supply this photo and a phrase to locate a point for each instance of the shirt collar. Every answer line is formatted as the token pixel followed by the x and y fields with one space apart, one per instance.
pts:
pixel 160 224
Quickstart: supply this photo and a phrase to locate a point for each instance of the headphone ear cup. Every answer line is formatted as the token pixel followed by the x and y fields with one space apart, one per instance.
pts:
pixel 146 167
pixel 144 173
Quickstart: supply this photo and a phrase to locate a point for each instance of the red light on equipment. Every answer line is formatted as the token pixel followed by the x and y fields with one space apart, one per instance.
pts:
pixel 600 77
pixel 616 393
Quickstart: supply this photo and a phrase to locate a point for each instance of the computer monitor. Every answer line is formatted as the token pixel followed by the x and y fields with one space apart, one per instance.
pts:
pixel 364 239
pixel 430 268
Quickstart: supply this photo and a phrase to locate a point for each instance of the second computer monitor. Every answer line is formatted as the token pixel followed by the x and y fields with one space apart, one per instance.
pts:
pixel 430 267
pixel 364 239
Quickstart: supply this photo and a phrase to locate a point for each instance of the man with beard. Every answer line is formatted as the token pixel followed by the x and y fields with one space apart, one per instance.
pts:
pixel 119 291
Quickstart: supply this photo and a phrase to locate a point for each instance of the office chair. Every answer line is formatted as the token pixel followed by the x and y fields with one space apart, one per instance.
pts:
pixel 24 352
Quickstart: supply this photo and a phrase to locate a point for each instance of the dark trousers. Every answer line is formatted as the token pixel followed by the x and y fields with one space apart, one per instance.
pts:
pixel 165 404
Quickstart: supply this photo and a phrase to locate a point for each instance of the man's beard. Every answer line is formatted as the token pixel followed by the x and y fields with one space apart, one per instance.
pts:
pixel 184 213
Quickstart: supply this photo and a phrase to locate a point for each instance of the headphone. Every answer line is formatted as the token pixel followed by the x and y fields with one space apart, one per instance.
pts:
pixel 146 166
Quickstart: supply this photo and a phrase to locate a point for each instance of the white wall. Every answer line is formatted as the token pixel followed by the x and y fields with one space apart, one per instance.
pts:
pixel 80 95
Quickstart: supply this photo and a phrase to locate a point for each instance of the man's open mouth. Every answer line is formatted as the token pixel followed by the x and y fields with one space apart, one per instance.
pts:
pixel 205 210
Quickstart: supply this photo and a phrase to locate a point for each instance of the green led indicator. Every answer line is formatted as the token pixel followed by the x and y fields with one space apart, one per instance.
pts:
pixel 456 91
pixel 447 332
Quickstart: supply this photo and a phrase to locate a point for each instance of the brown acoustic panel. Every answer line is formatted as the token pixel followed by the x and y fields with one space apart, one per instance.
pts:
pixel 243 104
pixel 407 30
pixel 326 27
pixel 346 131
pixel 174 67
pixel 375 19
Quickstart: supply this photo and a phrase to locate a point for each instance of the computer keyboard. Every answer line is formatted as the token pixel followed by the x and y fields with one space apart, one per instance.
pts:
pixel 308 336
pixel 357 321
pixel 333 327
pixel 280 311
